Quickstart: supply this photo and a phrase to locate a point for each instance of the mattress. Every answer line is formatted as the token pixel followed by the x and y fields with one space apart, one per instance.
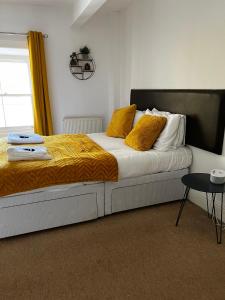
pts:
pixel 134 163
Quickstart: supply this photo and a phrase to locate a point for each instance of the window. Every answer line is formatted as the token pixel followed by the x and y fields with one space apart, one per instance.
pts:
pixel 16 113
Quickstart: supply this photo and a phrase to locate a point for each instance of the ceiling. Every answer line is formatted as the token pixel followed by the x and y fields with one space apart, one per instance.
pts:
pixel 38 2
pixel 115 5
pixel 83 14
pixel 110 5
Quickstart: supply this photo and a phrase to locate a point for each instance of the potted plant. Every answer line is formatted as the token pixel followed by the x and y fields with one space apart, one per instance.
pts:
pixel 85 51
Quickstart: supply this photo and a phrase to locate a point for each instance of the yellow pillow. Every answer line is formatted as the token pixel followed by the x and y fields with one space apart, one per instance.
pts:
pixel 145 132
pixel 121 122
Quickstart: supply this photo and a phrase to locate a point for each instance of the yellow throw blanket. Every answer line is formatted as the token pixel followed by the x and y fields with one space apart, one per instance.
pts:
pixel 76 158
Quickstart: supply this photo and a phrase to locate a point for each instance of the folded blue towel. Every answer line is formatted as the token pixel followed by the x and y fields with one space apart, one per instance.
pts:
pixel 17 138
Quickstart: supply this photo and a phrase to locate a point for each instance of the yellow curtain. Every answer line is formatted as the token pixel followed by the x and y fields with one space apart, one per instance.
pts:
pixel 41 103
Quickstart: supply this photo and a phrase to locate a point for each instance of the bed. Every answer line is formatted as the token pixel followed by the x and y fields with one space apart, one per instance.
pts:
pixel 144 178
pixel 155 180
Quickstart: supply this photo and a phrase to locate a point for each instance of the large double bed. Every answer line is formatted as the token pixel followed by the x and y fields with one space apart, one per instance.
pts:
pixel 144 178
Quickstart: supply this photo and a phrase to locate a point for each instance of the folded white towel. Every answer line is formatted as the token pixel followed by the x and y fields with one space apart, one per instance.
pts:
pixel 16 138
pixel 27 153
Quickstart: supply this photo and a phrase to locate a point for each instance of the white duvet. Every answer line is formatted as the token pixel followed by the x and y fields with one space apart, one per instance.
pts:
pixel 134 163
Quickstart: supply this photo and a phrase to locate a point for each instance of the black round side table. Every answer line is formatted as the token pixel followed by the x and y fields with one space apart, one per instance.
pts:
pixel 201 182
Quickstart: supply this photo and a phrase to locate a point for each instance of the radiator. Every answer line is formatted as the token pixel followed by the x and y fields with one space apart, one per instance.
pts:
pixel 82 124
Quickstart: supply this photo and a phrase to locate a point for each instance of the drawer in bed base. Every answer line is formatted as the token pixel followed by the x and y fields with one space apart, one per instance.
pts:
pixel 44 214
pixel 143 191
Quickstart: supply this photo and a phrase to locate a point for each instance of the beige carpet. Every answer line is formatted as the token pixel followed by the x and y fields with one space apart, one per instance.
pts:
pixel 133 255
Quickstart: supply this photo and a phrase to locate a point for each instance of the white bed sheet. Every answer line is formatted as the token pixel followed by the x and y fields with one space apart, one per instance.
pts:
pixel 134 163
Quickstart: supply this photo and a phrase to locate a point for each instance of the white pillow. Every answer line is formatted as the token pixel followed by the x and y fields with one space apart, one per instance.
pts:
pixel 137 117
pixel 180 141
pixel 173 134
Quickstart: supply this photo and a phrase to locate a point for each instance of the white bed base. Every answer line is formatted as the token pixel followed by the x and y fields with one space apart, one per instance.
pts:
pixel 39 210
pixel 143 191
pixel 59 206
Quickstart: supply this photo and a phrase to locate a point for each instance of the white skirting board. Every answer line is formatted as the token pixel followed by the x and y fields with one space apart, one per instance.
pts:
pixel 143 191
pixel 36 211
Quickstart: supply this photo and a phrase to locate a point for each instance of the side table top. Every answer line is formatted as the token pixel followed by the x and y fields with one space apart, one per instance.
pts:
pixel 201 182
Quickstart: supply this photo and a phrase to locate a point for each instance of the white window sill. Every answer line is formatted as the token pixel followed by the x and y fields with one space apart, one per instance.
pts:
pixel 4 131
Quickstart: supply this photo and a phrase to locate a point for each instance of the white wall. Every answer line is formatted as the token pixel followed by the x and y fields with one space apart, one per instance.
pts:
pixel 175 44
pixel 69 96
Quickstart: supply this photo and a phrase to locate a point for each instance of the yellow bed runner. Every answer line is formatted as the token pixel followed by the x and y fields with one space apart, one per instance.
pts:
pixel 75 158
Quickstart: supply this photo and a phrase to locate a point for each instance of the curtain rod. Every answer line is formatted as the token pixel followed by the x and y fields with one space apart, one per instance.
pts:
pixel 21 34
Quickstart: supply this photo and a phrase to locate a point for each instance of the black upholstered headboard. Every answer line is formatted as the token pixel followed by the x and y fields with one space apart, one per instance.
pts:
pixel 205 111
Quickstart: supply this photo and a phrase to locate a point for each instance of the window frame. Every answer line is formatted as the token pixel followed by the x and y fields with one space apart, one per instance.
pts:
pixel 18 129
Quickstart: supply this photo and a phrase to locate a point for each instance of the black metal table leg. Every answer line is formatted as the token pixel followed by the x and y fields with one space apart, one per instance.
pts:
pixel 214 214
pixel 207 198
pixel 213 206
pixel 182 204
pixel 219 241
